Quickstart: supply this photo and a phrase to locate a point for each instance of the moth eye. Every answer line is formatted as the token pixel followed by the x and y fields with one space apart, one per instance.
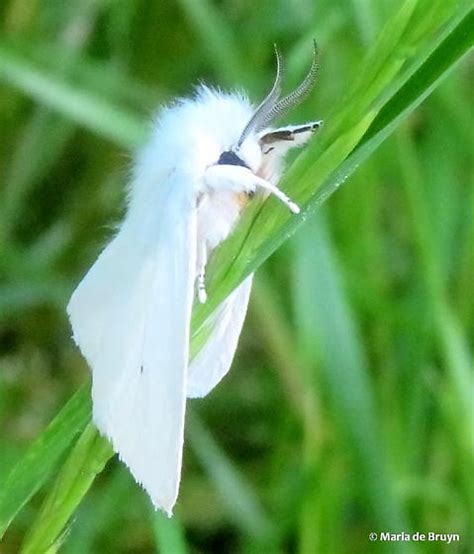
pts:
pixel 230 158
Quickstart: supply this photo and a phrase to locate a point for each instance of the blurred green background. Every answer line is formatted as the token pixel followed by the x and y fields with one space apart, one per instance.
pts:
pixel 348 409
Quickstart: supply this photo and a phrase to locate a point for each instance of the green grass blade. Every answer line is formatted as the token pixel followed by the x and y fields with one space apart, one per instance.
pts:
pixel 84 532
pixel 44 455
pixel 456 392
pixel 340 159
pixel 326 321
pixel 169 534
pixel 236 494
pixel 216 37
pixel 88 458
pixel 456 42
pixel 90 110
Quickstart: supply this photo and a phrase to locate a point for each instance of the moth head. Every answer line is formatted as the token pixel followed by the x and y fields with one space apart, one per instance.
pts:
pixel 248 153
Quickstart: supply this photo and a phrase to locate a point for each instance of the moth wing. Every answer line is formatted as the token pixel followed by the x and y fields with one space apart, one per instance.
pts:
pixel 131 317
pixel 214 359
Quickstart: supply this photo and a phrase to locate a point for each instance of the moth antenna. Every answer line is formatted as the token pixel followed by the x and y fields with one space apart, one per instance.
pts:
pixel 297 95
pixel 260 113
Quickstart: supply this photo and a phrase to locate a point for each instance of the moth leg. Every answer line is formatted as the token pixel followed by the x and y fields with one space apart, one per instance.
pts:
pixel 273 189
pixel 242 179
pixel 201 276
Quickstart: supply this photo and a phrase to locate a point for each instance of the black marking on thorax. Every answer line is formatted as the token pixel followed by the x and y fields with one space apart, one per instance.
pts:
pixel 230 158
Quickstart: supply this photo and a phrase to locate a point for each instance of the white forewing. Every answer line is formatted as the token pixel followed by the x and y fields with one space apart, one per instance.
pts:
pixel 131 316
pixel 215 358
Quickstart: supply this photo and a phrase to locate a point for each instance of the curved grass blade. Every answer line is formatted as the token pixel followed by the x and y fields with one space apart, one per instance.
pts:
pixel 275 225
pixel 87 459
pixel 43 456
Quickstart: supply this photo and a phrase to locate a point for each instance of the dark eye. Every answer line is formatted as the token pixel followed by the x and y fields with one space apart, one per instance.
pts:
pixel 231 158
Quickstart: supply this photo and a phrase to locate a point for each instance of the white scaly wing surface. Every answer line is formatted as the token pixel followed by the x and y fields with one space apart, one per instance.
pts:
pixel 214 359
pixel 130 317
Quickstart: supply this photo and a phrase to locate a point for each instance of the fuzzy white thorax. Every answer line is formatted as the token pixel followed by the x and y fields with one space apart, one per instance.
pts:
pixel 191 134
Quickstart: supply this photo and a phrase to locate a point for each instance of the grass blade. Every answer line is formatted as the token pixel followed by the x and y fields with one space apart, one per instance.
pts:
pixel 95 113
pixel 87 459
pixel 235 492
pixel 169 534
pixel 44 455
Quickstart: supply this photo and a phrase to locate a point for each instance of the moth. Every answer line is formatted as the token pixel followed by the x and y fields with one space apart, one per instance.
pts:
pixel 131 313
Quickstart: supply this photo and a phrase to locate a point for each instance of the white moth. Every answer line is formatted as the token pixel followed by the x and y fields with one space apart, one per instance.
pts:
pixel 131 313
